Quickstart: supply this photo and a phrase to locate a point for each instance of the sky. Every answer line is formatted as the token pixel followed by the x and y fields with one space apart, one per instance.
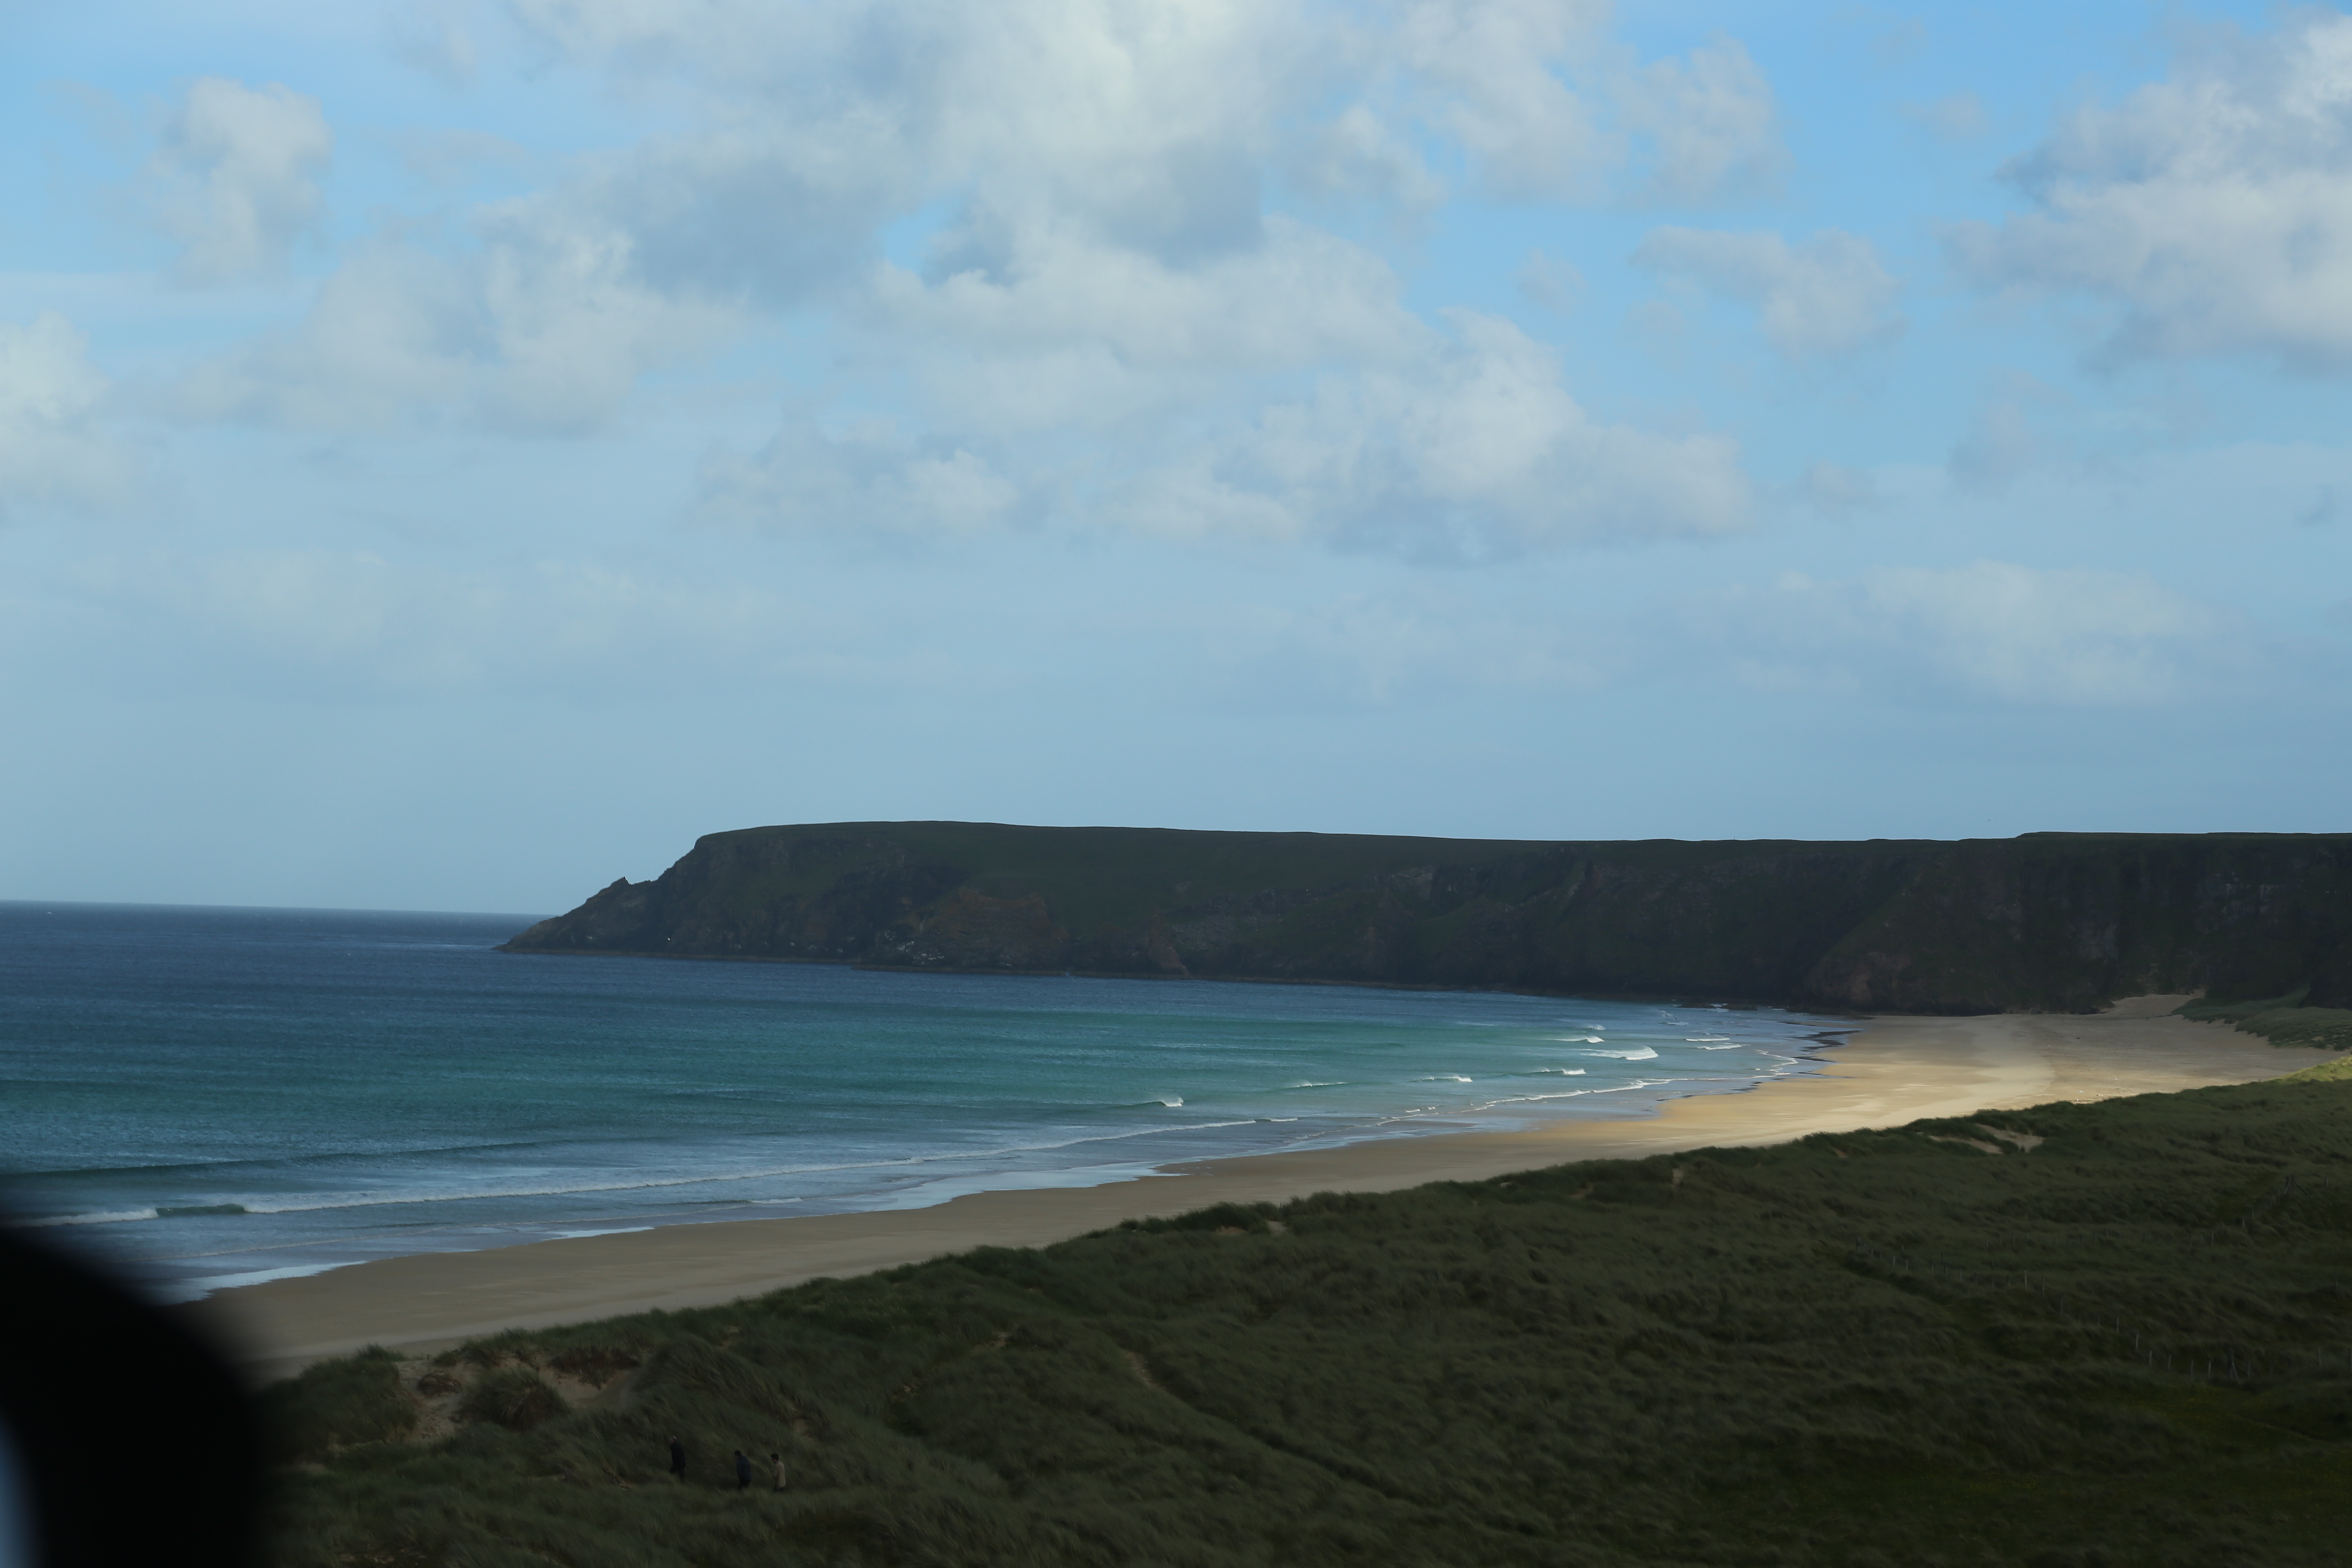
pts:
pixel 454 453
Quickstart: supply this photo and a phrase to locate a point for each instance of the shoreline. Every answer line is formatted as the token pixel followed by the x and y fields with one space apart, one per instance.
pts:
pixel 1896 1070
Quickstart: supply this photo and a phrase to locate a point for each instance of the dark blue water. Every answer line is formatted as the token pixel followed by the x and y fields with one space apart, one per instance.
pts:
pixel 217 1096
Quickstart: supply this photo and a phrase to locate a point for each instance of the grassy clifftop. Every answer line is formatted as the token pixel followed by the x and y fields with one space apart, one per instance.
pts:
pixel 2116 1333
pixel 2052 921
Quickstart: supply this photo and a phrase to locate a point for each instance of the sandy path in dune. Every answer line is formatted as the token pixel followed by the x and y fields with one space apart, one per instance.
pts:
pixel 1895 1070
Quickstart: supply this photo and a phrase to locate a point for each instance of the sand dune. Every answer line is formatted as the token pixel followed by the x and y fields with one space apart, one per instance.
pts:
pixel 1895 1070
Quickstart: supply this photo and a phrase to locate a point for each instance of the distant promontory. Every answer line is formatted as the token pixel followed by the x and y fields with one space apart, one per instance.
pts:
pixel 2049 921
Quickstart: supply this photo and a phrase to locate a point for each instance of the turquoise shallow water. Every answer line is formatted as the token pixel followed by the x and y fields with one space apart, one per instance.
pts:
pixel 212 1097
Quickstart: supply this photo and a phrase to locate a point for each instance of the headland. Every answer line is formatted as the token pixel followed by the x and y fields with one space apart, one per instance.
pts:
pixel 2050 922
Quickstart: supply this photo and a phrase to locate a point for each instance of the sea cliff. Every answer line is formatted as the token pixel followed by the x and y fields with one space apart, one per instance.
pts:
pixel 2049 921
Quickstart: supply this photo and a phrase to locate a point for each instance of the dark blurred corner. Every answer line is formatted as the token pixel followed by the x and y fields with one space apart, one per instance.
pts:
pixel 133 1435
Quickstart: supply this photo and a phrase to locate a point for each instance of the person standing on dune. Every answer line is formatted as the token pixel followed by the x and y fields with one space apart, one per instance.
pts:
pixel 677 1459
pixel 778 1461
pixel 743 1471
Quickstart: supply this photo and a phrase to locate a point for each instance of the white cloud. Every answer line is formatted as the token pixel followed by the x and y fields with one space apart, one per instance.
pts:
pixel 1549 281
pixel 1475 451
pixel 545 327
pixel 1827 296
pixel 358 623
pixel 1359 651
pixel 235 180
pixel 2211 207
pixel 1712 128
pixel 869 480
pixel 435 40
pixel 2000 445
pixel 1363 154
pixel 53 451
pixel 1956 117
pixel 1990 633
pixel 1104 165
pixel 1148 116
pixel 1062 330
pixel 2009 435
pixel 1488 71
pixel 1146 123
pixel 449 157
pixel 726 38
pixel 1461 447
pixel 1108 286
pixel 1837 490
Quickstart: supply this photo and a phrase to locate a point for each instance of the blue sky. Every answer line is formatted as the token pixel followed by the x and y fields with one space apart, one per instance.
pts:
pixel 452 454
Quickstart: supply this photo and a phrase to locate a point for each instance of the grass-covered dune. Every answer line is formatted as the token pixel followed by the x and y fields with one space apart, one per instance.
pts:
pixel 2116 1333
pixel 2281 1020
pixel 2044 922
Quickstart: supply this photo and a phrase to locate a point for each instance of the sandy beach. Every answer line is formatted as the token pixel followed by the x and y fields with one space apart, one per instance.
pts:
pixel 1895 1070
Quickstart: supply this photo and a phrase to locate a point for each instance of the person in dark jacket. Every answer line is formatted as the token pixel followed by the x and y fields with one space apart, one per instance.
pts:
pixel 677 1459
pixel 743 1471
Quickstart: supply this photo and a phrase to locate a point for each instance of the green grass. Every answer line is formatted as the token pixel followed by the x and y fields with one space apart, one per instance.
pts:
pixel 2207 1010
pixel 2131 1345
pixel 2322 1028
pixel 2281 1020
pixel 356 1399
pixel 515 1397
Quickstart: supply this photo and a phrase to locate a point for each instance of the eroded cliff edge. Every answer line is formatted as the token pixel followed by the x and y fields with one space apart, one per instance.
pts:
pixel 2047 922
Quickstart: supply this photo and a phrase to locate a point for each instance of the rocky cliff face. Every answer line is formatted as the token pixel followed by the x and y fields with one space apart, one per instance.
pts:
pixel 2049 921
pixel 2065 921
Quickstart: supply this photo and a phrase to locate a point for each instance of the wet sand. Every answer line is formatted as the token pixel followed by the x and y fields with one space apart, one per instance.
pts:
pixel 1897 1070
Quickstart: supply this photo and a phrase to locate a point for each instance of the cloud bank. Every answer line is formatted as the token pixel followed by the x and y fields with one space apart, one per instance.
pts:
pixel 2209 208
pixel 236 177
pixel 1827 296
pixel 1989 634
pixel 1134 300
pixel 55 452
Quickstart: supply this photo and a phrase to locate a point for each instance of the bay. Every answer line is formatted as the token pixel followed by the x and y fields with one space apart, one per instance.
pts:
pixel 211 1097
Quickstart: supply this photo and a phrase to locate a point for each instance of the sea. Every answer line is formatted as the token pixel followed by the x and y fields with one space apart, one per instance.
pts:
pixel 208 1098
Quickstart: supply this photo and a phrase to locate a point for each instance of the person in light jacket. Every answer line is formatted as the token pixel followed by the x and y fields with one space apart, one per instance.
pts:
pixel 778 1461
